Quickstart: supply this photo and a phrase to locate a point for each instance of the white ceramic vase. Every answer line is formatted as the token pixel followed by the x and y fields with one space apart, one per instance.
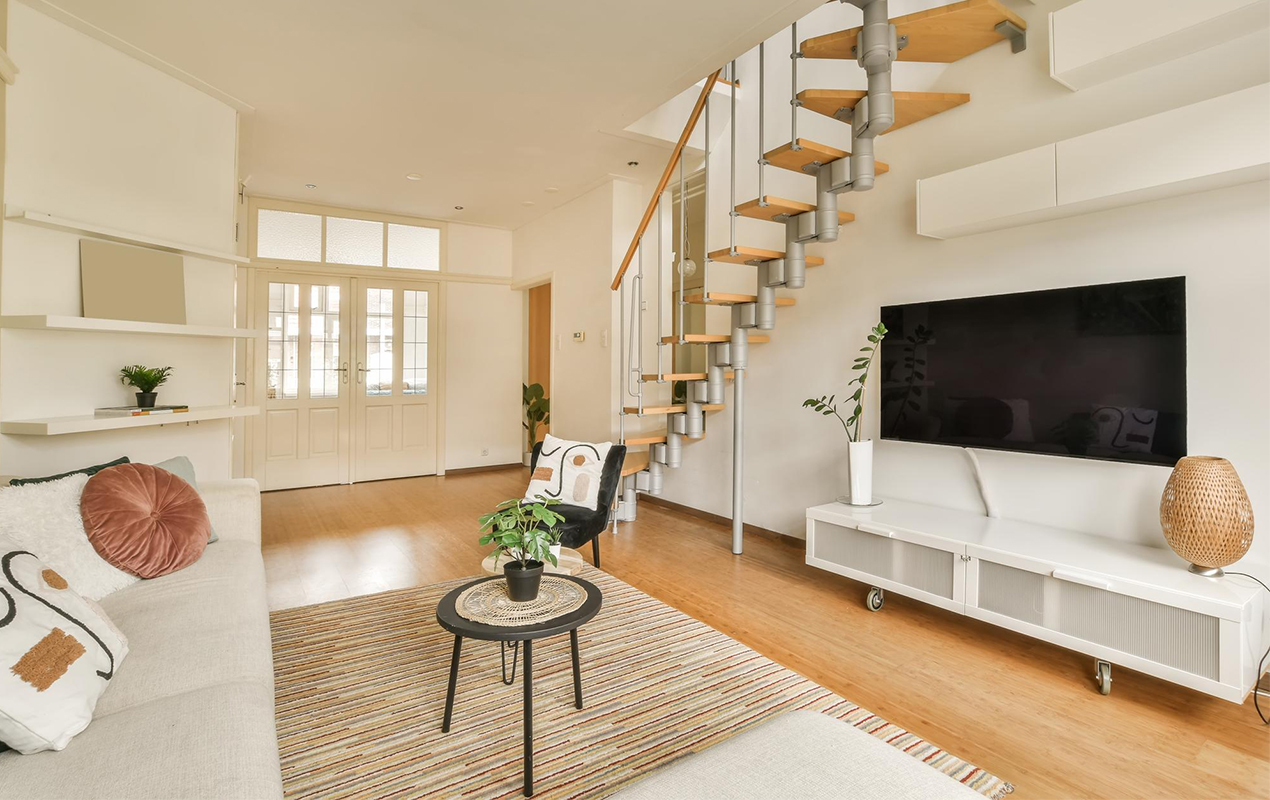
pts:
pixel 860 463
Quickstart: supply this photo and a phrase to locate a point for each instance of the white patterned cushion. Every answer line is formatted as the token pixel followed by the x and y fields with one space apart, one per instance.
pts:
pixel 58 653
pixel 569 472
pixel 44 518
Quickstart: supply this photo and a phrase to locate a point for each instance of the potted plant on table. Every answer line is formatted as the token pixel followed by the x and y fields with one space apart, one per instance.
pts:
pixel 859 450
pixel 524 531
pixel 537 412
pixel 146 380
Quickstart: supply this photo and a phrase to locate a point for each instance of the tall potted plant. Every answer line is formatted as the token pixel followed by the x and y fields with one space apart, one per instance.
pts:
pixel 146 380
pixel 537 412
pixel 524 531
pixel 859 450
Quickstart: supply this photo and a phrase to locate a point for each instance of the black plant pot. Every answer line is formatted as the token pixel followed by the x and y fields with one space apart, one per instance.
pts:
pixel 522 584
pixel 146 399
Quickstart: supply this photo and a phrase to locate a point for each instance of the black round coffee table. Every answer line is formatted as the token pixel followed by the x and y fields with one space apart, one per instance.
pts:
pixel 461 627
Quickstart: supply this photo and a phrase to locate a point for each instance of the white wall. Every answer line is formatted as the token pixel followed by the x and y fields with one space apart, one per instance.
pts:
pixel 484 351
pixel 484 331
pixel 96 136
pixel 1218 240
pixel 575 245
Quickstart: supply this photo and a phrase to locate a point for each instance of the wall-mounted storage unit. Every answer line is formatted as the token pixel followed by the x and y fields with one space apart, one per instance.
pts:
pixel 1094 41
pixel 1122 603
pixel 1147 159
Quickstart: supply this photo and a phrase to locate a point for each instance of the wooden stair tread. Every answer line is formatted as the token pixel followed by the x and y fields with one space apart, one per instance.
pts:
pixel 778 206
pixel 635 441
pixel 910 107
pixel 730 299
pixel 636 461
pixel 679 409
pixel 685 376
pixel 942 35
pixel 714 338
pixel 755 255
pixel 810 154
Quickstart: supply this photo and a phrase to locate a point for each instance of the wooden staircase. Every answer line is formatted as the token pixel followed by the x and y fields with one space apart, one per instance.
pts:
pixel 938 35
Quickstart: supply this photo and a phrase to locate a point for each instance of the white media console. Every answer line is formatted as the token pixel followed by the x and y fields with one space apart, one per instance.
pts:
pixel 1119 602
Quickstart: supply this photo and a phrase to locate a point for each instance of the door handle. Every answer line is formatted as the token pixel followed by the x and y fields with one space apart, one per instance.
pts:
pixel 344 371
pixel 240 383
pixel 876 530
pixel 1084 580
pixel 360 371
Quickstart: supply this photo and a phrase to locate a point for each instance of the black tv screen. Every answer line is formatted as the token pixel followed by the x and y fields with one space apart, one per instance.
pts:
pixel 1094 372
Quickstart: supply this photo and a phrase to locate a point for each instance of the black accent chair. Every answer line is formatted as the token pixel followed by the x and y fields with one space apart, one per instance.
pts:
pixel 582 525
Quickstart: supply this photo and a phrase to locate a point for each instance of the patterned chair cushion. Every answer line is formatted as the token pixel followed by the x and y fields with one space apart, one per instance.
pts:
pixel 569 472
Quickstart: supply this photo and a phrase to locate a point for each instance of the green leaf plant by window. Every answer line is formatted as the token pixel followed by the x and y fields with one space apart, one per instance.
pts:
pixel 828 405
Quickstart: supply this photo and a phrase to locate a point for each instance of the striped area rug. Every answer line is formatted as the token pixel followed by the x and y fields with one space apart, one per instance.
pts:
pixel 361 689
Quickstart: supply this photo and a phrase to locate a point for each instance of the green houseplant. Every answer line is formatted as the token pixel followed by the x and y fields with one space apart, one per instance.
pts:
pixel 524 531
pixel 145 380
pixel 859 451
pixel 537 412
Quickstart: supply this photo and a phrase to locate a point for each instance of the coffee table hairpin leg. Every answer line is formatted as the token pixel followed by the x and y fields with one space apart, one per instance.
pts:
pixel 503 647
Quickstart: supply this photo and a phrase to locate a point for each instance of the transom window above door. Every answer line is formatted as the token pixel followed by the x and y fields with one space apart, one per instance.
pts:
pixel 331 239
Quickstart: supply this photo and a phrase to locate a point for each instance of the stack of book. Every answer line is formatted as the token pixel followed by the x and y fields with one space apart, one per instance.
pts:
pixel 133 411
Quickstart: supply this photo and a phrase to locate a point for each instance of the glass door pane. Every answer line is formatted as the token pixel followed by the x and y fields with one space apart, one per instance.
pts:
pixel 324 341
pixel 283 372
pixel 379 342
pixel 414 343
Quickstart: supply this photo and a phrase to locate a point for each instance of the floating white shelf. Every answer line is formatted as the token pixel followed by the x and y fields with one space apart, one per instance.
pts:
pixel 43 220
pixel 54 322
pixel 87 423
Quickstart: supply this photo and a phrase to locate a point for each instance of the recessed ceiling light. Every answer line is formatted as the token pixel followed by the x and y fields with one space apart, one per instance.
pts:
pixel 310 185
pixel 413 176
pixel 632 163
pixel 527 202
pixel 551 190
pixel 458 208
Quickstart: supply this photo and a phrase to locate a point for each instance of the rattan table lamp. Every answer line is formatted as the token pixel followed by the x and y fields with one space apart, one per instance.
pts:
pixel 1206 515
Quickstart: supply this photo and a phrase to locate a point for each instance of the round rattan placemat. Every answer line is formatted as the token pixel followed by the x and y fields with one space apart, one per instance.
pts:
pixel 487 603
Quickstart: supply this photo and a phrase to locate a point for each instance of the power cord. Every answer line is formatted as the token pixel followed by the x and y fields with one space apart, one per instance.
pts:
pixel 1261 665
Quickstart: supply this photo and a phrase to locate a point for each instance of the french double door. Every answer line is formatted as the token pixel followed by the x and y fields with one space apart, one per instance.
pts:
pixel 348 380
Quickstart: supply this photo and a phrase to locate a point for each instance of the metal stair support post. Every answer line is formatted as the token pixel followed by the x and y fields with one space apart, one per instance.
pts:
pixel 740 343
pixel 655 472
pixel 826 207
pixel 762 158
pixel 732 212
pixel 694 420
pixel 674 449
pixel 876 48
pixel 765 304
pixel 795 256
pixel 715 377
pixel 744 315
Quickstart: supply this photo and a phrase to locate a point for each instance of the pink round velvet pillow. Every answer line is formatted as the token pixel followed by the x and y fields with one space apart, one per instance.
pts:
pixel 144 520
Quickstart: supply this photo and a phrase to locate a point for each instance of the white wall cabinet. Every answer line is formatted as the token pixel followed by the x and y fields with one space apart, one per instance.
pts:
pixel 1219 142
pixel 1127 604
pixel 1094 41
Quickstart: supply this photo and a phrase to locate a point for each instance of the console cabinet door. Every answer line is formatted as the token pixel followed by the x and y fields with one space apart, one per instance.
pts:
pixel 1103 616
pixel 923 567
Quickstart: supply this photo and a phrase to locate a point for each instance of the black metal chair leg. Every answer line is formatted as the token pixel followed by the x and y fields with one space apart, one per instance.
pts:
pixel 577 669
pixel 454 679
pixel 529 718
pixel 595 550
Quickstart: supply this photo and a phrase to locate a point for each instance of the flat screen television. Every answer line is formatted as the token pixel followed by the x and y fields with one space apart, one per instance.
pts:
pixel 1093 372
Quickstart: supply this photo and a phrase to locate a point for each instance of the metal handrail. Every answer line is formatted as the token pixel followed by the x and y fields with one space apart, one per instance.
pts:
pixel 675 155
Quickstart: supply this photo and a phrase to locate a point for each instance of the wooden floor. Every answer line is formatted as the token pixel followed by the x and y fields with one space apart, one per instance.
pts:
pixel 1022 709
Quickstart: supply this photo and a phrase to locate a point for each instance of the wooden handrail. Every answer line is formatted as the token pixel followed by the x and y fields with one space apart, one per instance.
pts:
pixel 665 177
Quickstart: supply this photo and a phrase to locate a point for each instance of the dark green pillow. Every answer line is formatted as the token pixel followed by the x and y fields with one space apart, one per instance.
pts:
pixel 85 471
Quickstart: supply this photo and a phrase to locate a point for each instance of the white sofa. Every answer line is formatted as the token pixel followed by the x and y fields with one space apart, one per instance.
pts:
pixel 190 713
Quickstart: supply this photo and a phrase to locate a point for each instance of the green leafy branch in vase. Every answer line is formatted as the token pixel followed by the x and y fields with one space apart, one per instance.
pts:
pixel 828 406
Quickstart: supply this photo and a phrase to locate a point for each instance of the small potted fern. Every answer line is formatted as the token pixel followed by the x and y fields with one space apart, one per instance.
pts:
pixel 146 380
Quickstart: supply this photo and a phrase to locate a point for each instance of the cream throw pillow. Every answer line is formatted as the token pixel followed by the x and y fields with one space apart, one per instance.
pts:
pixel 44 518
pixel 58 653
pixel 569 472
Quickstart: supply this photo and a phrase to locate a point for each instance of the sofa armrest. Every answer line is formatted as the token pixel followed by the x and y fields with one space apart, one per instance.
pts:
pixel 234 507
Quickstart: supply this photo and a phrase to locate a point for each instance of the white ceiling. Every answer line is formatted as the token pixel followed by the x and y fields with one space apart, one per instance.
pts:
pixel 490 101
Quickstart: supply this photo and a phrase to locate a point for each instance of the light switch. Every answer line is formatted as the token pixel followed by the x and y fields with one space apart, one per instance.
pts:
pixel 579 336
